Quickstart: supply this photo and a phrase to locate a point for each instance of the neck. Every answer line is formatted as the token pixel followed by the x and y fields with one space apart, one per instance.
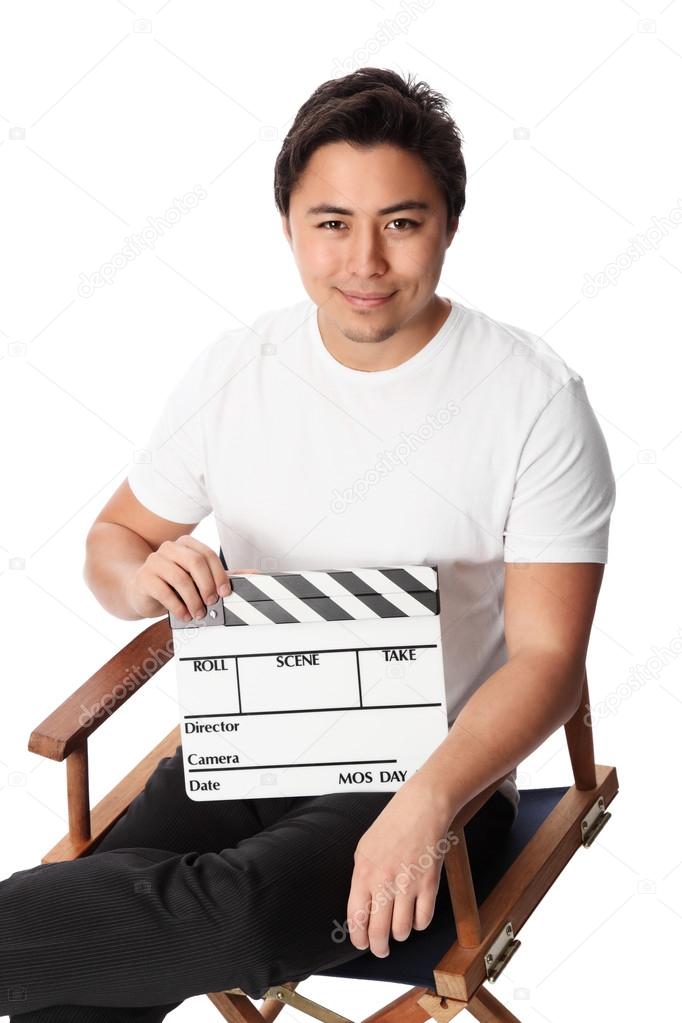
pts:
pixel 358 343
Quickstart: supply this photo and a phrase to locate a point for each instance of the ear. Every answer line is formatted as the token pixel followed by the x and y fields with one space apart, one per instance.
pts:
pixel 286 228
pixel 452 229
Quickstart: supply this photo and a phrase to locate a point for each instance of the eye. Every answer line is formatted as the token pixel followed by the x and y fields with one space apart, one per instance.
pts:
pixel 324 223
pixel 405 220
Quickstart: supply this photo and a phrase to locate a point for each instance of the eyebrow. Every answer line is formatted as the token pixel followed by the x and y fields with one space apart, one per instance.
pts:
pixel 398 207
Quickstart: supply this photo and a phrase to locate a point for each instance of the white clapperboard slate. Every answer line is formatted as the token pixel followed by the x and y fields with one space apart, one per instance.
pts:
pixel 311 682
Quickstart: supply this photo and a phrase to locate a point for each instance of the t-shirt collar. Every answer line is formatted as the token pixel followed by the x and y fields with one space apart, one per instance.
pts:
pixel 362 377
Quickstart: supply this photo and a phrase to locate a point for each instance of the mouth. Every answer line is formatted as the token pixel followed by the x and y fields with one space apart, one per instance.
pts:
pixel 367 301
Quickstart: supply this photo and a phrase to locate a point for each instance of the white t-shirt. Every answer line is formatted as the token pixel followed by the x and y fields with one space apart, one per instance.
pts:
pixel 480 449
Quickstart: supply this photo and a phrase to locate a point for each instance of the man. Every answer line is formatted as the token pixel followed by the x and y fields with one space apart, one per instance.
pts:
pixel 373 423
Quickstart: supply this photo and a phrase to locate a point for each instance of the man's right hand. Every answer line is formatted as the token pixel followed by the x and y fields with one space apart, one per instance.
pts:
pixel 182 576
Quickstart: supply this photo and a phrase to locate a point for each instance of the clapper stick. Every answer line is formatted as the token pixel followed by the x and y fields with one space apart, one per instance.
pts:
pixel 302 683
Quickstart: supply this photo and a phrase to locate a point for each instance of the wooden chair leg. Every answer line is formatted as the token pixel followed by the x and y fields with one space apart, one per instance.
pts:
pixel 441 1008
pixel 238 1008
pixel 404 1009
pixel 235 1008
pixel 486 1009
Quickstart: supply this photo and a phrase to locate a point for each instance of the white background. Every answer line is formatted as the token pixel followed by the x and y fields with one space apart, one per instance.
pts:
pixel 572 145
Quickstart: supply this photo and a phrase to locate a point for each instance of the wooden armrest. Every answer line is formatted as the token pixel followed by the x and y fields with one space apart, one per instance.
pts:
pixel 458 871
pixel 68 727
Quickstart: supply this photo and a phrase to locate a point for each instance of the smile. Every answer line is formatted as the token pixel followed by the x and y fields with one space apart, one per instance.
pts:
pixel 366 303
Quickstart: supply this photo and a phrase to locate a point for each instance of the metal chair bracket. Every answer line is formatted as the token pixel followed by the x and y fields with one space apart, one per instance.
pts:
pixel 298 1001
pixel 500 952
pixel 594 820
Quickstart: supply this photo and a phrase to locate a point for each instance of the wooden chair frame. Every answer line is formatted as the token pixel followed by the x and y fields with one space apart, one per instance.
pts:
pixel 486 935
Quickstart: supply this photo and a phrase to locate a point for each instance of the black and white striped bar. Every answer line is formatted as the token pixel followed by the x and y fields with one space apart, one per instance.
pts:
pixel 284 598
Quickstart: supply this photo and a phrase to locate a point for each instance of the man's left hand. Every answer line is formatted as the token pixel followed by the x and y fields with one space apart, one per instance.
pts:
pixel 398 863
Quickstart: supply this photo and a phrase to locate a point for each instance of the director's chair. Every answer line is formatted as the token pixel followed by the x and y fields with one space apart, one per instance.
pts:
pixel 473 932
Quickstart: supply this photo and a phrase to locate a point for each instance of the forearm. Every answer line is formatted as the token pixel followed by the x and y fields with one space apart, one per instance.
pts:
pixel 113 555
pixel 502 723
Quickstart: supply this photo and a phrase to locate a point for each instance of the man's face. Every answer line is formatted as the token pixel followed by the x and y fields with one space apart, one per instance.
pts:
pixel 343 243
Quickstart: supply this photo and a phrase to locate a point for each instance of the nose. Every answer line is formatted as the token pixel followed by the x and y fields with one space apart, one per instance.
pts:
pixel 365 253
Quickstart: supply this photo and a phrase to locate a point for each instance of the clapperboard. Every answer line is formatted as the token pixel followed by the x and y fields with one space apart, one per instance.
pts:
pixel 311 682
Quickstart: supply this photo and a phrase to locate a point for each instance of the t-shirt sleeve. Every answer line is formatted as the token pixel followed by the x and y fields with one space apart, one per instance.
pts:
pixel 167 474
pixel 564 490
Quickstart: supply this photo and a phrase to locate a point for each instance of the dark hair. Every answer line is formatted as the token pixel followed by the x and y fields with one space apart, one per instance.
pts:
pixel 368 107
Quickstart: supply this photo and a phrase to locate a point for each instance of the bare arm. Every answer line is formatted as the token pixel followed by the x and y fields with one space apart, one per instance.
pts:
pixel 548 613
pixel 113 555
pixel 140 565
pixel 548 610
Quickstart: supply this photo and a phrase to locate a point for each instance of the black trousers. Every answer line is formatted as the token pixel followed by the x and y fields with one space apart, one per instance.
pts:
pixel 184 897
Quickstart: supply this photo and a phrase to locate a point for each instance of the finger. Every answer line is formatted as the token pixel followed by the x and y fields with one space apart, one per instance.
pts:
pixel 380 923
pixel 357 914
pixel 424 908
pixel 193 560
pixel 216 577
pixel 181 580
pixel 166 595
pixel 221 577
pixel 403 915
